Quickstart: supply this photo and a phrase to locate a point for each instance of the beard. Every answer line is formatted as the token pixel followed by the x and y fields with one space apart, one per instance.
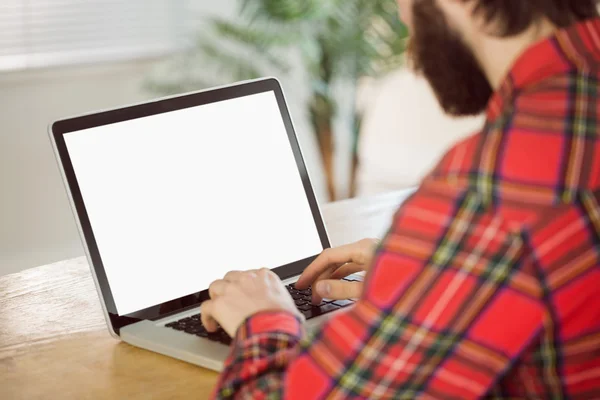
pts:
pixel 439 53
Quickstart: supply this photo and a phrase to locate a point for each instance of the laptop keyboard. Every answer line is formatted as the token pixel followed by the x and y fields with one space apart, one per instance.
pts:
pixel 302 298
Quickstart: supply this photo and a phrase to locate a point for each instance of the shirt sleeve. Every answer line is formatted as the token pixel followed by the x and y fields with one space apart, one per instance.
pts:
pixel 450 303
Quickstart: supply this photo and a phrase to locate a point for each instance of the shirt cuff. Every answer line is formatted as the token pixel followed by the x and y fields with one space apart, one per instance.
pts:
pixel 271 321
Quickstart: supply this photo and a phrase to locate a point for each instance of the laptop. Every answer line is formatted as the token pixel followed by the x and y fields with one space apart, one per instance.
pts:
pixel 171 194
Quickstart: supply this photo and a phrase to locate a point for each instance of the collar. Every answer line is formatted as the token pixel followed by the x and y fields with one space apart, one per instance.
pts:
pixel 575 47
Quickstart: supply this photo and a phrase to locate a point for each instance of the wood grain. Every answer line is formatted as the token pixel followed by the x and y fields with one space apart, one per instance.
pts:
pixel 93 365
pixel 54 342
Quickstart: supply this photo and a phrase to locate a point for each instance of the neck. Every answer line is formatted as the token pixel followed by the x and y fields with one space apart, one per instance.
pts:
pixel 498 55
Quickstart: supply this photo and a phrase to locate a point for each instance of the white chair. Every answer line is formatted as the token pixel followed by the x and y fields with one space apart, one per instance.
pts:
pixel 404 133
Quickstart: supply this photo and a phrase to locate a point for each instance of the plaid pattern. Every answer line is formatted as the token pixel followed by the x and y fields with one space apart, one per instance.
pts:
pixel 487 284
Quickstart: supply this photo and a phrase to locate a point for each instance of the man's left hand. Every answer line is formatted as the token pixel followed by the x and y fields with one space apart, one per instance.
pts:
pixel 241 294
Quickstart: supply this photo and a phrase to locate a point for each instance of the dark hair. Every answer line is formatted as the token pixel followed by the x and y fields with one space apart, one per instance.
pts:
pixel 511 17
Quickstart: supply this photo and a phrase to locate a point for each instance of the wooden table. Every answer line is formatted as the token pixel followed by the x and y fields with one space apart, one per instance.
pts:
pixel 54 343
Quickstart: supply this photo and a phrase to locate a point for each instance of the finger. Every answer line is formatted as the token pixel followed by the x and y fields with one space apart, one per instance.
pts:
pixel 358 253
pixel 233 276
pixel 346 270
pixel 316 297
pixel 217 288
pixel 328 259
pixel 339 290
pixel 342 272
pixel 206 315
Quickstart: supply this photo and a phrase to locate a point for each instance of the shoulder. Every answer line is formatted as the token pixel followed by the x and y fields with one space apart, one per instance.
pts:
pixel 550 139
pixel 458 162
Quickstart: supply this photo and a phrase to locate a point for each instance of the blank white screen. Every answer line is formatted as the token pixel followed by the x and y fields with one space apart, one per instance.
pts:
pixel 176 200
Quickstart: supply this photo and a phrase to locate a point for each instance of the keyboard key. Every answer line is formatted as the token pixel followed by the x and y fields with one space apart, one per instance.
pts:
pixel 315 311
pixel 343 303
pixel 225 340
pixel 300 302
pixel 310 313
pixel 305 307
pixel 193 325
pixel 324 309
pixel 354 278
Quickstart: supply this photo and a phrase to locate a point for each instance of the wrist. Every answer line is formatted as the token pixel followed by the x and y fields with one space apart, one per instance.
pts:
pixel 271 321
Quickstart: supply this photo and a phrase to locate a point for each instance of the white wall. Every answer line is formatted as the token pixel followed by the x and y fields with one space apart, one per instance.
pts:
pixel 36 224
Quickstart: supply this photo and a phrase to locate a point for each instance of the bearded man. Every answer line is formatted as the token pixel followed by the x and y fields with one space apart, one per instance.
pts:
pixel 488 282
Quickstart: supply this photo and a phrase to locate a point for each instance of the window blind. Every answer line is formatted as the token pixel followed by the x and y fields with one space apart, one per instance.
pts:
pixel 41 33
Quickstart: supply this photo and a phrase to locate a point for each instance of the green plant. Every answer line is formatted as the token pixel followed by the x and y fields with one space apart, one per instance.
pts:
pixel 335 39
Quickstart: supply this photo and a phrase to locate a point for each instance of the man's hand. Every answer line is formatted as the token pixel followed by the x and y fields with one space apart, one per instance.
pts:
pixel 241 294
pixel 334 264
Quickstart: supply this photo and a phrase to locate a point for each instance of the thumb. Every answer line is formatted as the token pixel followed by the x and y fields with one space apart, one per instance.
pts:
pixel 339 290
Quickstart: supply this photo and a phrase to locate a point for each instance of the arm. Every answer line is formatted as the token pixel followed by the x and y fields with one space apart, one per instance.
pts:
pixel 447 276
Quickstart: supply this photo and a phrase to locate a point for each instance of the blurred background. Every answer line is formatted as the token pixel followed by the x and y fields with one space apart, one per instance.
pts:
pixel 366 123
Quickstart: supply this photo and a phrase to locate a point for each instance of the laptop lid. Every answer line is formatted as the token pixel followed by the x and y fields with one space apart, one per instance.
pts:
pixel 171 194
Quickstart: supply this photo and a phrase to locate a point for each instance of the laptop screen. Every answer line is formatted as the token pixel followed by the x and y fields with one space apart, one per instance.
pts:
pixel 176 200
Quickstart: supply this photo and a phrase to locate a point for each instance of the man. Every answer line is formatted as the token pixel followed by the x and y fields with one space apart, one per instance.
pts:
pixel 488 283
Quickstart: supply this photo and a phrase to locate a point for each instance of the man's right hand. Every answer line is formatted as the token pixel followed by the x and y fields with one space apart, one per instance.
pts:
pixel 327 270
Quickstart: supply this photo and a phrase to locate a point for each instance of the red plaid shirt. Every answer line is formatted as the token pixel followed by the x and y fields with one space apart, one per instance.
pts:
pixel 488 283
